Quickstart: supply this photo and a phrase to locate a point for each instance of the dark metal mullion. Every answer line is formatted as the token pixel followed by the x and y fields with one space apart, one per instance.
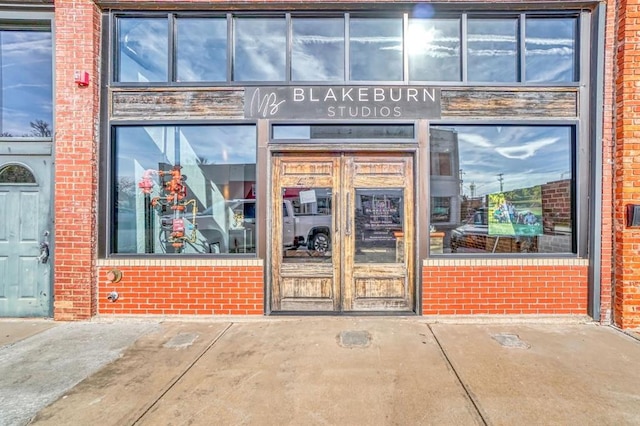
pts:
pixel 405 53
pixel 289 48
pixel 171 57
pixel 521 45
pixel 230 47
pixel 347 64
pixel 463 47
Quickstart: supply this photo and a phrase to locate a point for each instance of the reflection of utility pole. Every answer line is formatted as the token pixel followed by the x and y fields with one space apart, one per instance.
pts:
pixel 500 179
pixel 460 173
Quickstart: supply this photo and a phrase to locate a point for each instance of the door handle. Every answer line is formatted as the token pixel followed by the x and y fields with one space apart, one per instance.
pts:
pixel 44 248
pixel 348 215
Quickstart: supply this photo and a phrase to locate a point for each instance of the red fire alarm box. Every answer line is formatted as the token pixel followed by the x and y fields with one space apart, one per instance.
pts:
pixel 82 78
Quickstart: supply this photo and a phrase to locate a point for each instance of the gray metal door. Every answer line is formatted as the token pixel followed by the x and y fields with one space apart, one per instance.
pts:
pixel 25 227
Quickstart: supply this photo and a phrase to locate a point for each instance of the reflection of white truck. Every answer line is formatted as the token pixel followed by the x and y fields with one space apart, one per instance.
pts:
pixel 232 228
pixel 312 230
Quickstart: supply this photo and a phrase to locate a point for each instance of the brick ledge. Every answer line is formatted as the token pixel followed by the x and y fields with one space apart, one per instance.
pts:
pixel 506 262
pixel 179 262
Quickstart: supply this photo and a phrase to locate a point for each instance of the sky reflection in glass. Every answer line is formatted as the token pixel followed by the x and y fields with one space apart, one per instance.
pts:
pixel 492 50
pixel 318 49
pixel 26 78
pixel 433 46
pixel 201 49
pixel 375 49
pixel 550 49
pixel 143 50
pixel 260 49
pixel 524 155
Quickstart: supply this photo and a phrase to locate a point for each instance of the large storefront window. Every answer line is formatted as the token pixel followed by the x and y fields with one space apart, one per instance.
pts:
pixel 26 95
pixel 184 189
pixel 513 191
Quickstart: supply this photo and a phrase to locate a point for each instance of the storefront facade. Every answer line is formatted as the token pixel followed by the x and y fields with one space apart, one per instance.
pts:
pixel 254 158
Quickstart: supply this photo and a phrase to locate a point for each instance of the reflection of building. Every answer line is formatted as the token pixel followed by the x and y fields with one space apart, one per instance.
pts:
pixel 446 181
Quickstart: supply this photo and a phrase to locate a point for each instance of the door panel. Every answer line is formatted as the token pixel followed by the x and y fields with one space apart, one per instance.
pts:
pixel 25 217
pixel 304 278
pixel 353 233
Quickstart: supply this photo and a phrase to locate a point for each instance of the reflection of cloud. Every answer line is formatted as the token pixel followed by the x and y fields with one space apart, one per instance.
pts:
pixel 525 150
pixel 560 51
pixel 545 41
pixel 474 139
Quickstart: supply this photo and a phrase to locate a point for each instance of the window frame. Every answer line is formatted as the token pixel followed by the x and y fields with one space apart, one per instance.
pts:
pixel 520 15
pixel 107 240
pixel 36 22
pixel 580 183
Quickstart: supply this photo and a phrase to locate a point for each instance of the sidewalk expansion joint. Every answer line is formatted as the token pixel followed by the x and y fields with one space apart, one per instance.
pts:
pixel 475 404
pixel 181 375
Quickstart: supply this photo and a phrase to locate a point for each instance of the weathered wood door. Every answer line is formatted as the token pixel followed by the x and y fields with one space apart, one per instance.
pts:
pixel 352 247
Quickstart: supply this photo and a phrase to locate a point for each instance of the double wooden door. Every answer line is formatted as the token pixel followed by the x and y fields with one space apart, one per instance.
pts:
pixel 342 233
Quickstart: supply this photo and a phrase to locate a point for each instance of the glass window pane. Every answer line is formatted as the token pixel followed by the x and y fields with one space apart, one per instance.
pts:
pixel 375 49
pixel 318 49
pixel 201 49
pixel 26 78
pixel 15 173
pixel 371 132
pixel 260 48
pixel 516 195
pixel 306 225
pixel 492 51
pixel 187 189
pixel 433 46
pixel 379 229
pixel 142 50
pixel 550 49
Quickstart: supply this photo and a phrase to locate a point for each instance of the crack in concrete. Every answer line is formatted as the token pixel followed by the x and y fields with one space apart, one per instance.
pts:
pixel 181 375
pixel 476 404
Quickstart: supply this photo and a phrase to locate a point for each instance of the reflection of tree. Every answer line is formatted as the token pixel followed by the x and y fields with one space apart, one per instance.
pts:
pixel 40 128
pixel 126 190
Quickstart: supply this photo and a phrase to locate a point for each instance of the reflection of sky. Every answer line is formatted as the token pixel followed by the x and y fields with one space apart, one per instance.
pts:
pixel 550 49
pixel 318 49
pixel 433 46
pixel 373 48
pixel 260 48
pixel 201 49
pixel 492 50
pixel 26 77
pixel 143 44
pixel 153 145
pixel 525 156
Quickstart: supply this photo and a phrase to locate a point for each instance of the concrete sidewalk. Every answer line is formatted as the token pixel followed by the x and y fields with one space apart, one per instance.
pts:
pixel 319 370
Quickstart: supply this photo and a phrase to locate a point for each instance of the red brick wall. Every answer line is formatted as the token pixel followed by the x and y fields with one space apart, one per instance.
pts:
pixel 183 290
pixel 77 47
pixel 500 287
pixel 627 165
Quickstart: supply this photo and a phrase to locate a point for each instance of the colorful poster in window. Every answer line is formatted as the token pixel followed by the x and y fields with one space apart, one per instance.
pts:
pixel 516 213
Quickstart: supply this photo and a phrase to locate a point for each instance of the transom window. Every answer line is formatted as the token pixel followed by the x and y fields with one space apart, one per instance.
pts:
pixel 169 48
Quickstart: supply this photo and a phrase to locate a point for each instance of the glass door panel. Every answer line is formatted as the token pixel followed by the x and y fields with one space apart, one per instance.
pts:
pixel 379 225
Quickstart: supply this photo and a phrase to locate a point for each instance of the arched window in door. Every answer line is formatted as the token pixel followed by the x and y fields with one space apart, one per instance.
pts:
pixel 15 173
